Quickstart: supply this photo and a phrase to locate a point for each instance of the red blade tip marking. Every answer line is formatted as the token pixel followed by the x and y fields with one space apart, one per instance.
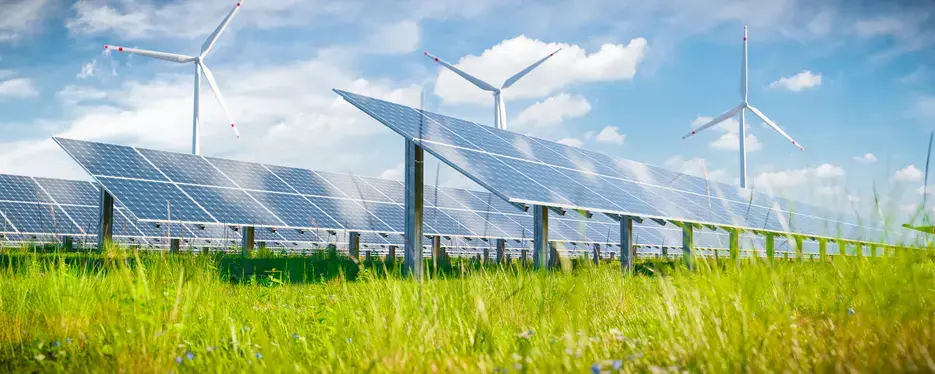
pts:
pixel 106 46
pixel 238 4
pixel 120 49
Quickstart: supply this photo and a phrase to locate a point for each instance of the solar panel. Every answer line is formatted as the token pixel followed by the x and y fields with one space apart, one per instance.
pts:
pixel 204 192
pixel 527 170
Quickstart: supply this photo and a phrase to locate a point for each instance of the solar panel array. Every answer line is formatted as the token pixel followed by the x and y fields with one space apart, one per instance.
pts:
pixel 527 170
pixel 305 206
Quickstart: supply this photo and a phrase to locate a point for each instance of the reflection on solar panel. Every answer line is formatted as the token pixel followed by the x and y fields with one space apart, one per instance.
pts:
pixel 308 206
pixel 526 170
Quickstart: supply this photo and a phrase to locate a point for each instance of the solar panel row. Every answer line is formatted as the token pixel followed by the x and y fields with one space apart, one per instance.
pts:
pixel 532 171
pixel 212 191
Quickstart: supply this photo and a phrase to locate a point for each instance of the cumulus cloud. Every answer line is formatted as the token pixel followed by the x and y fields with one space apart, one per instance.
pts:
pixel 730 137
pixel 553 110
pixel 18 88
pixel 908 174
pixel 610 135
pixel 573 142
pixel 87 70
pixel 867 158
pixel 400 37
pixel 798 177
pixel 573 65
pixel 695 166
pixel 20 18
pixel 801 81
pixel 394 173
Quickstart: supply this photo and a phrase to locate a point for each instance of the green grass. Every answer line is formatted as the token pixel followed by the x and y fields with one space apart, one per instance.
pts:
pixel 140 312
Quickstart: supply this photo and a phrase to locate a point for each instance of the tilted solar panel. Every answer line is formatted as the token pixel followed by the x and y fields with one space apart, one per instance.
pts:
pixel 526 170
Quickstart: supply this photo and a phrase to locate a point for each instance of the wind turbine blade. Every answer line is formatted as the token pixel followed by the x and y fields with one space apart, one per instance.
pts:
pixel 205 48
pixel 744 85
pixel 160 55
pixel 217 95
pixel 774 126
pixel 513 79
pixel 721 118
pixel 477 82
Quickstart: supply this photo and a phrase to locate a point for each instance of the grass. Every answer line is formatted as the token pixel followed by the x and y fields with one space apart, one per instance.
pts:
pixel 150 312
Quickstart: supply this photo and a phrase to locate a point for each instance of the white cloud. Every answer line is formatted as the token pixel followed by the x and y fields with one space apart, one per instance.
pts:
pixel 394 173
pixel 610 135
pixel 853 198
pixel 908 208
pixel 87 70
pixel 77 94
pixel 867 158
pixel 924 106
pixel 884 25
pixel 730 139
pixel 18 88
pixel 798 177
pixel 553 111
pixel 695 166
pixel 908 174
pixel 573 142
pixel 396 38
pixel 21 17
pixel 801 81
pixel 830 190
pixel 573 65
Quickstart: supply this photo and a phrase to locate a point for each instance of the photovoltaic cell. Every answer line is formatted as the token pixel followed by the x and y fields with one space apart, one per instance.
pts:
pixel 69 192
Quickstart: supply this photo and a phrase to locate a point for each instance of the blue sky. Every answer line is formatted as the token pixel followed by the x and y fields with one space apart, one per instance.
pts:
pixel 852 84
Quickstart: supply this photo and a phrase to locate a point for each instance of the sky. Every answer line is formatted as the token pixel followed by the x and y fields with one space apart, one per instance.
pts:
pixel 852 83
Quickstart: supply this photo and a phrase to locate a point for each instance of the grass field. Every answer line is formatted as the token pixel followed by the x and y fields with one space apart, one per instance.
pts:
pixel 150 312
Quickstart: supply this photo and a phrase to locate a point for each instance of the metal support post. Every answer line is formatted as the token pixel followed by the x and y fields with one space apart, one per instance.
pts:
pixel 540 236
pixel 823 250
pixel 597 254
pixel 799 250
pixel 353 244
pixel 554 261
pixel 688 245
pixel 860 250
pixel 67 243
pixel 501 251
pixel 175 245
pixel 247 242
pixel 627 250
pixel 105 234
pixel 486 255
pixel 734 244
pixel 524 254
pixel 873 250
pixel 368 256
pixel 414 184
pixel 391 255
pixel 770 247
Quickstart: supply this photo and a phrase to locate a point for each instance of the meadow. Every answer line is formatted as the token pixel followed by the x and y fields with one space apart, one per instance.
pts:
pixel 144 312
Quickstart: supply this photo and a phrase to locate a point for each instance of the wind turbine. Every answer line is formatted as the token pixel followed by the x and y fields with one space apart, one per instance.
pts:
pixel 499 109
pixel 200 68
pixel 739 110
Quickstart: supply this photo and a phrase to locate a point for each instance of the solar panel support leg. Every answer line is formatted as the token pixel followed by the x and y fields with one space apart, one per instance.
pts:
pixel 540 236
pixel 770 247
pixel 486 255
pixel 174 245
pixel 353 244
pixel 67 243
pixel 799 250
pixel 501 251
pixel 734 245
pixel 627 250
pixel 842 248
pixel 523 255
pixel 873 250
pixel 554 261
pixel 822 250
pixel 105 235
pixel 597 254
pixel 414 184
pixel 391 255
pixel 860 250
pixel 688 246
pixel 247 241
